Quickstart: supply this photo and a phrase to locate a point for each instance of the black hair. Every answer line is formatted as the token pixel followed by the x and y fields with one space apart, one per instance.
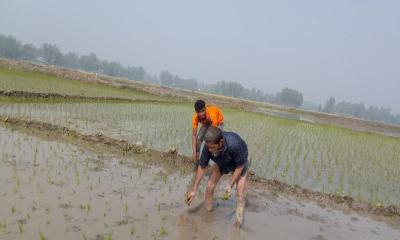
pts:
pixel 199 105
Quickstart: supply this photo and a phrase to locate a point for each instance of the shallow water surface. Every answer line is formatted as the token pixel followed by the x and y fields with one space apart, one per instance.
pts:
pixel 62 191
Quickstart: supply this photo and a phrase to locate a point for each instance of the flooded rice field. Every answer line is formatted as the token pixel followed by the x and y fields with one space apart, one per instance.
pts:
pixel 319 157
pixel 51 189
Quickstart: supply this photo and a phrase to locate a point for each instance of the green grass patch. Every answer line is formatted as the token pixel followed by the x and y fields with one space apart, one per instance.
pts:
pixel 11 79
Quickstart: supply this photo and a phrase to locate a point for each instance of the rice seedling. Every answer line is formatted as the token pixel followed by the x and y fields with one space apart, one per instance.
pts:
pixel 20 228
pixel 41 236
pixel 4 224
pixel 132 230
pixel 108 237
pixel 126 208
pixel 165 178
pixel 163 231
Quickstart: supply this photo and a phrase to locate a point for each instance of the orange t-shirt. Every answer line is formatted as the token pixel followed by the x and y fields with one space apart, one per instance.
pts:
pixel 213 116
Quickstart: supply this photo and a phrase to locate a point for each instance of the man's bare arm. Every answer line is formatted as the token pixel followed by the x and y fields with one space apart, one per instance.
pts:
pixel 235 176
pixel 199 175
pixel 194 143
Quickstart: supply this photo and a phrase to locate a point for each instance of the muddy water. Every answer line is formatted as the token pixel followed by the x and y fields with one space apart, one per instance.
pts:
pixel 63 191
pixel 362 166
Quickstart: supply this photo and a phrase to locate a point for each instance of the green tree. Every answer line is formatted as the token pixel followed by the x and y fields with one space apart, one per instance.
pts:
pixel 113 68
pixel 330 105
pixel 190 84
pixel 290 97
pixel 51 54
pixel 71 60
pixel 90 62
pixel 10 47
pixel 166 78
pixel 30 52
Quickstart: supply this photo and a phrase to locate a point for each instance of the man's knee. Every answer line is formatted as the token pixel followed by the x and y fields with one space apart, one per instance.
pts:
pixel 240 195
pixel 214 178
pixel 241 188
pixel 210 186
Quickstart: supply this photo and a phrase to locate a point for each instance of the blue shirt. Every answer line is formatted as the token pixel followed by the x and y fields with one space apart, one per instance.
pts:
pixel 233 155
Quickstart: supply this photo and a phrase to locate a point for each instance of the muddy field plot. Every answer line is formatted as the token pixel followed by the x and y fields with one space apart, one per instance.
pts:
pixel 56 190
pixel 319 157
pixel 51 189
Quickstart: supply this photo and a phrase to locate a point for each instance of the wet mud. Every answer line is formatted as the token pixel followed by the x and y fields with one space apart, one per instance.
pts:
pixel 56 187
pixel 388 214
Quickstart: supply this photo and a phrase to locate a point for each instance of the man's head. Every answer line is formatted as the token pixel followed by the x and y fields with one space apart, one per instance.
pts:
pixel 200 108
pixel 214 140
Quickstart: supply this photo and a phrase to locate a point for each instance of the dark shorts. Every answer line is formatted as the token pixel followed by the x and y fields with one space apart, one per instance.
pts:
pixel 244 171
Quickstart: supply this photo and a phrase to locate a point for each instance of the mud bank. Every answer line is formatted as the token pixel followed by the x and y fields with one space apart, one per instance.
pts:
pixel 153 89
pixel 22 94
pixel 56 96
pixel 389 214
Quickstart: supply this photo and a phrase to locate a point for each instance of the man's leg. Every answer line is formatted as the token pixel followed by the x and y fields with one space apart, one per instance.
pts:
pixel 211 184
pixel 199 139
pixel 241 191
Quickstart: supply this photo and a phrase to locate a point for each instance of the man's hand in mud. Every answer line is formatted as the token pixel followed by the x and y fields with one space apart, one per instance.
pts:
pixel 190 197
pixel 228 189
pixel 227 194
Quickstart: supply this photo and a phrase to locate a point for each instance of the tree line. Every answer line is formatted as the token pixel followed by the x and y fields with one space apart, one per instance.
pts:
pixel 51 54
pixel 288 97
pixel 359 110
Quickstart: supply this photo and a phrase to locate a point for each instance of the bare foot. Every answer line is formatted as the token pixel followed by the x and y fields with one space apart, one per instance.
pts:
pixel 210 207
pixel 239 216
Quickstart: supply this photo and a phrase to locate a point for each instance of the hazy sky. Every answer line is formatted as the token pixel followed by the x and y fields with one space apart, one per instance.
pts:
pixel 348 49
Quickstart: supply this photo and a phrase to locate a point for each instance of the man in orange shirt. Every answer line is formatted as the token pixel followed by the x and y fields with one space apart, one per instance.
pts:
pixel 208 116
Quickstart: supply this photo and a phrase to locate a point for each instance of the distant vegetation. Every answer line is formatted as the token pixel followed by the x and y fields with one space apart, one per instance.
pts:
pixel 11 48
pixel 361 111
pixel 51 54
